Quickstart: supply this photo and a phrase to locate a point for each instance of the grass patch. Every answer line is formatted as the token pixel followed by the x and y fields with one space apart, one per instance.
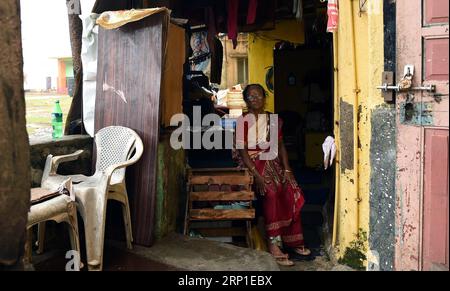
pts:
pixel 39 108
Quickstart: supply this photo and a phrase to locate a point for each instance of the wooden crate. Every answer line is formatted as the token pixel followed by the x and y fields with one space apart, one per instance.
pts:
pixel 216 186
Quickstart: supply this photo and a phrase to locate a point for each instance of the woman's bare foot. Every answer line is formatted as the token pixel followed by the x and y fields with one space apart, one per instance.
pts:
pixel 276 252
pixel 281 258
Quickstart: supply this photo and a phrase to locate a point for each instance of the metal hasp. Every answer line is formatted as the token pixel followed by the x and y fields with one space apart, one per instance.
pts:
pixel 429 88
pixel 387 81
pixel 403 86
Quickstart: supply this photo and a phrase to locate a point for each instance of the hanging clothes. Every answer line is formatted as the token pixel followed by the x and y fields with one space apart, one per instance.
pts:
pixel 329 151
pixel 215 45
pixel 210 20
pixel 200 59
pixel 297 9
pixel 251 14
pixel 333 15
pixel 233 9
pixel 216 62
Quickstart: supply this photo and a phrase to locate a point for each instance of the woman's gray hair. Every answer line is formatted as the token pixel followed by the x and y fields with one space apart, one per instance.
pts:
pixel 249 86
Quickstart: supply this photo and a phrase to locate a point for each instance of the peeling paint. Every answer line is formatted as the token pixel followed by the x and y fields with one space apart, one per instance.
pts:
pixel 419 113
pixel 346 126
pixel 120 93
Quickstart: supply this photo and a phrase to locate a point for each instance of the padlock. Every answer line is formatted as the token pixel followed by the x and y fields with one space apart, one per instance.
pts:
pixel 406 82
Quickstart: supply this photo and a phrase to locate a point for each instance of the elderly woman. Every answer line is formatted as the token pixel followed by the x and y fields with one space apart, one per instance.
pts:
pixel 274 180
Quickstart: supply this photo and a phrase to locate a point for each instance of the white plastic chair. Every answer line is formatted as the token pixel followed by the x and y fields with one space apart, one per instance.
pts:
pixel 61 208
pixel 115 145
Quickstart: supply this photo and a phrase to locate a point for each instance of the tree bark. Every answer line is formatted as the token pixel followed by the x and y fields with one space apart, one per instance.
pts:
pixel 14 145
pixel 76 31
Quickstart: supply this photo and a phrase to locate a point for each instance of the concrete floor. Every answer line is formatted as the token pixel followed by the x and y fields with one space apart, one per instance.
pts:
pixel 181 253
pixel 197 254
pixel 319 264
pixel 116 259
pixel 204 255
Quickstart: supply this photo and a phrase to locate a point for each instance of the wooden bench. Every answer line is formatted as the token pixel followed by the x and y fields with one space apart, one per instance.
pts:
pixel 220 187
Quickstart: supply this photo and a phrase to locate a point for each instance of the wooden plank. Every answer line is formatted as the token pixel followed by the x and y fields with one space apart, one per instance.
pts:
pixel 236 169
pixel 222 214
pixel 172 80
pixel 222 232
pixel 134 74
pixel 218 173
pixel 218 170
pixel 222 196
pixel 220 180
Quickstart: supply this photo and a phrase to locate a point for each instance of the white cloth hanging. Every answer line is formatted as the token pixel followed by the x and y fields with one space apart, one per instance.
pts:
pixel 329 151
pixel 89 54
pixel 297 9
pixel 299 12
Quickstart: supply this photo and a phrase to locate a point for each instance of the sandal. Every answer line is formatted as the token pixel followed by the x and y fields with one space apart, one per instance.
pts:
pixel 283 261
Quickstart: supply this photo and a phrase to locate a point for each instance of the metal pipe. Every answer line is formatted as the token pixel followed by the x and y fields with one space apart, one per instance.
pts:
pixel 356 92
pixel 336 135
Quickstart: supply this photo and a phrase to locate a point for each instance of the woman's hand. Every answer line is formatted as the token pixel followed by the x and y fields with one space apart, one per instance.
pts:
pixel 260 184
pixel 289 176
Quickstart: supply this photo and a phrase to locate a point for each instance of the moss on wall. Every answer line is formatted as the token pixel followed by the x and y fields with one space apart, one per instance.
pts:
pixel 355 254
pixel 170 189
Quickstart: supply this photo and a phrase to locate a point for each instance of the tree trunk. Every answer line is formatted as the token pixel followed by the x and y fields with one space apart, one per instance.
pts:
pixel 14 145
pixel 76 31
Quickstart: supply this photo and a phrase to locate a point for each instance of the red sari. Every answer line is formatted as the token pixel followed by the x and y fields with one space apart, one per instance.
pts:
pixel 283 199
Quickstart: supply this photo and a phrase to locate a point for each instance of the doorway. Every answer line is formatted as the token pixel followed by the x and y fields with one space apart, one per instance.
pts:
pixel 303 93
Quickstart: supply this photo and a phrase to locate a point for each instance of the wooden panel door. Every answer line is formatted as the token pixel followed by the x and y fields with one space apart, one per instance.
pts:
pixel 422 123
pixel 436 194
pixel 435 39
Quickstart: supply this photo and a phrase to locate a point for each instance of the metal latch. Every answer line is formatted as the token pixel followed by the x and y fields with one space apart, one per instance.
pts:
pixel 405 84
pixel 387 81
pixel 429 88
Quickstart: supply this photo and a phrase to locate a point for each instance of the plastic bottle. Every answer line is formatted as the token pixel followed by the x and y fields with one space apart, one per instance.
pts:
pixel 57 121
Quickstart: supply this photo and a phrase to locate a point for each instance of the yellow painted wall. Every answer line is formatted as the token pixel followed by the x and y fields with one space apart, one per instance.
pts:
pixel 368 32
pixel 369 66
pixel 260 51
